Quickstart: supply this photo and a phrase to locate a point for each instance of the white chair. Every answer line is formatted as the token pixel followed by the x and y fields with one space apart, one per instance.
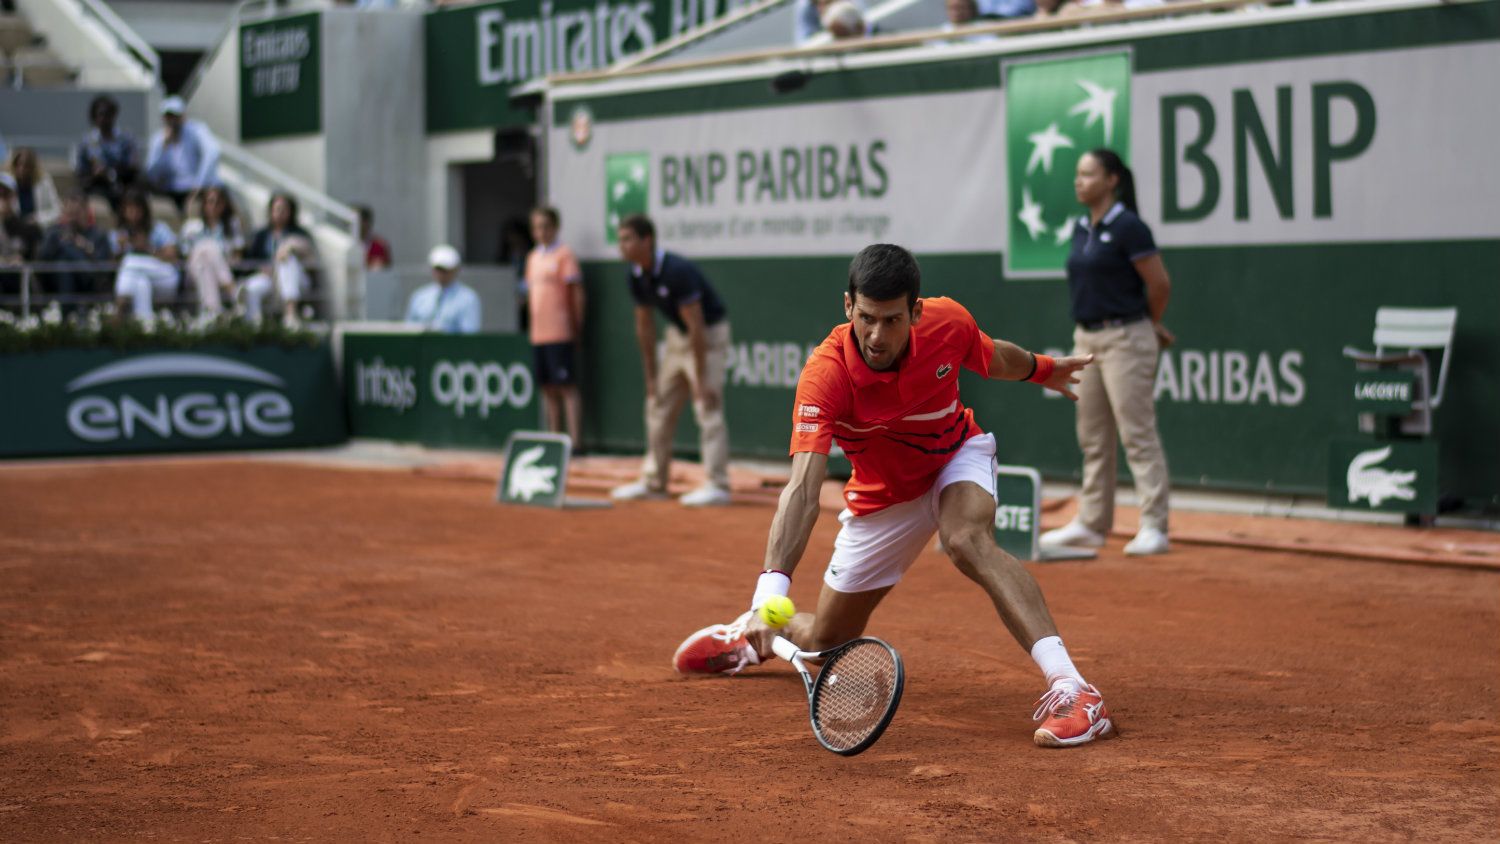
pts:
pixel 1404 337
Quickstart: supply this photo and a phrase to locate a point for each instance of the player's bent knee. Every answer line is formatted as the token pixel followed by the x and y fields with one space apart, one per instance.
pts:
pixel 967 547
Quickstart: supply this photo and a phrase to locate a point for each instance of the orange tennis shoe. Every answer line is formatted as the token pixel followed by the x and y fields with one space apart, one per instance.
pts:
pixel 716 649
pixel 1070 716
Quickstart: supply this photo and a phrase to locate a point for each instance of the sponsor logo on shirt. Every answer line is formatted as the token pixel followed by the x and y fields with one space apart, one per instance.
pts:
pixel 811 411
pixel 942 371
pixel 807 427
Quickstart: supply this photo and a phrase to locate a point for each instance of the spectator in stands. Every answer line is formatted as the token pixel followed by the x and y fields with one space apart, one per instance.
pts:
pixel 445 304
pixel 36 195
pixel 842 19
pixel 1000 9
pixel 693 364
pixel 184 155
pixel 962 14
pixel 17 237
pixel 135 216
pixel 377 250
pixel 148 271
pixel 212 242
pixel 809 16
pixel 554 296
pixel 74 239
pixel 283 249
pixel 108 161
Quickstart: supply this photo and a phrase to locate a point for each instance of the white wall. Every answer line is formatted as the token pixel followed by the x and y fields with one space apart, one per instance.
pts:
pixel 303 158
pixel 444 184
pixel 374 122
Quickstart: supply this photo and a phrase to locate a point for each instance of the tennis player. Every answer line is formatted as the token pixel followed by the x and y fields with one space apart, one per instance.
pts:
pixel 884 386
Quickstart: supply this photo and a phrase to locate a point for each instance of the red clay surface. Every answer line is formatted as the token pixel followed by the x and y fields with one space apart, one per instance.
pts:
pixel 216 651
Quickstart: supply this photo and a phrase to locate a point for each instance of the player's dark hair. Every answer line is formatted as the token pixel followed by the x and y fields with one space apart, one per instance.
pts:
pixel 884 271
pixel 550 213
pixel 641 225
pixel 1115 166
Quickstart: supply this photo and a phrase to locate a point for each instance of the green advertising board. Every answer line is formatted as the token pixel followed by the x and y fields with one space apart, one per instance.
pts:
pixel 281 89
pixel 1056 110
pixel 1018 511
pixel 476 54
pixel 102 401
pixel 1388 392
pixel 439 389
pixel 1270 200
pixel 1391 475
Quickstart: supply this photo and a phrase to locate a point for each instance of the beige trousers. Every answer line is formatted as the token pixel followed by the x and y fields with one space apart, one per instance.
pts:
pixel 1115 401
pixel 675 378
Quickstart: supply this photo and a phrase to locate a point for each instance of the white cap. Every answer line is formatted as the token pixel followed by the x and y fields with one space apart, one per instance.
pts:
pixel 444 257
pixel 173 105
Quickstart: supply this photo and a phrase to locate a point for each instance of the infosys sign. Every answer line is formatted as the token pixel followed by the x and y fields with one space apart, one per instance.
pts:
pixel 167 401
pixel 439 389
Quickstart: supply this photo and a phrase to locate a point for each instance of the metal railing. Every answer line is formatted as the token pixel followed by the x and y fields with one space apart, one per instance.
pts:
pixel 124 36
pixel 325 209
pixel 245 10
pixel 30 298
pixel 872 43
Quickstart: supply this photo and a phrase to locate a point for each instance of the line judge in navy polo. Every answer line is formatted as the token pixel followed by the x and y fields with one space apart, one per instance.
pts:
pixel 1119 288
pixel 694 362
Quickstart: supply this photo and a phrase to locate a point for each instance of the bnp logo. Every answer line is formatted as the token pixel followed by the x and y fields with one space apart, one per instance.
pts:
pixel 1055 111
pixel 627 182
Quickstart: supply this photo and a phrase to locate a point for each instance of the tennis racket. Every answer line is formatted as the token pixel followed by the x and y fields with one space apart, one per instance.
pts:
pixel 855 695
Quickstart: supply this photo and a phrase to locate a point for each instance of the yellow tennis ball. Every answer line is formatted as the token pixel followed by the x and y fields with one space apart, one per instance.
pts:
pixel 777 611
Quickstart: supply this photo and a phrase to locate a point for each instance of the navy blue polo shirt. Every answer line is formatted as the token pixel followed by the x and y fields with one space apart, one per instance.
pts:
pixel 1101 266
pixel 673 282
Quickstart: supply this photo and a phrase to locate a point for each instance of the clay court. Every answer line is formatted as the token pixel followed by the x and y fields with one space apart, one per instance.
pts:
pixel 219 650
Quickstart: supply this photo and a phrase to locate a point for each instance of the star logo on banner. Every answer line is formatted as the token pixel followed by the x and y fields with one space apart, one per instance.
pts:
pixel 1065 232
pixel 1031 215
pixel 1099 105
pixel 1043 145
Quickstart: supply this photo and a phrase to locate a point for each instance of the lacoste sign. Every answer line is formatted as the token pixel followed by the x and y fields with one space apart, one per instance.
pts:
pixel 1395 475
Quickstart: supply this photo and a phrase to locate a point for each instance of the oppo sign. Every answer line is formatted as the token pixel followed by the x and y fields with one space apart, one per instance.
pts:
pixel 97 418
pixel 484 386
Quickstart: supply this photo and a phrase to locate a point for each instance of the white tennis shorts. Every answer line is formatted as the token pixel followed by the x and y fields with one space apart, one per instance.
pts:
pixel 874 551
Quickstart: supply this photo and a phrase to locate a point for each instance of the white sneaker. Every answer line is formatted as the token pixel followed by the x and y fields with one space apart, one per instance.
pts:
pixel 637 491
pixel 1148 541
pixel 707 495
pixel 1071 535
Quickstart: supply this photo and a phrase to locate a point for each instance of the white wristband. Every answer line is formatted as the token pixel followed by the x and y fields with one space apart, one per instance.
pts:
pixel 770 583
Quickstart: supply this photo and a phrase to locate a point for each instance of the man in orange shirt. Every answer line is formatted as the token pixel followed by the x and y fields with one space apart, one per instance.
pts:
pixel 884 386
pixel 554 299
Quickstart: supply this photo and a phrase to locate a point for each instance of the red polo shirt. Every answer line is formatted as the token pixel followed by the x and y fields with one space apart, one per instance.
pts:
pixel 900 427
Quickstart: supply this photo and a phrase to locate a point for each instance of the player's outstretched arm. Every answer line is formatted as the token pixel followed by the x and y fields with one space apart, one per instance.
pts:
pixel 1013 363
pixel 796 512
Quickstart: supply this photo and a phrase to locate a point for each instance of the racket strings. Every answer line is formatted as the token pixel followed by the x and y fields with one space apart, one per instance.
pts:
pixel 854 692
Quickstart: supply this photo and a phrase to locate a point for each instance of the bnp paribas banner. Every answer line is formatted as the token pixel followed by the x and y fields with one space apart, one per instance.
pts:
pixel 99 401
pixel 1301 168
pixel 1301 150
pixel 477 53
pixel 813 179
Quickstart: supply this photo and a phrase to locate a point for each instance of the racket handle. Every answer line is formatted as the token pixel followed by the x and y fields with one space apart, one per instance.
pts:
pixel 785 648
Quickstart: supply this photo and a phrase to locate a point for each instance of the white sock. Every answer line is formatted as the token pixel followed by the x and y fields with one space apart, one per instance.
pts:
pixel 1053 659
